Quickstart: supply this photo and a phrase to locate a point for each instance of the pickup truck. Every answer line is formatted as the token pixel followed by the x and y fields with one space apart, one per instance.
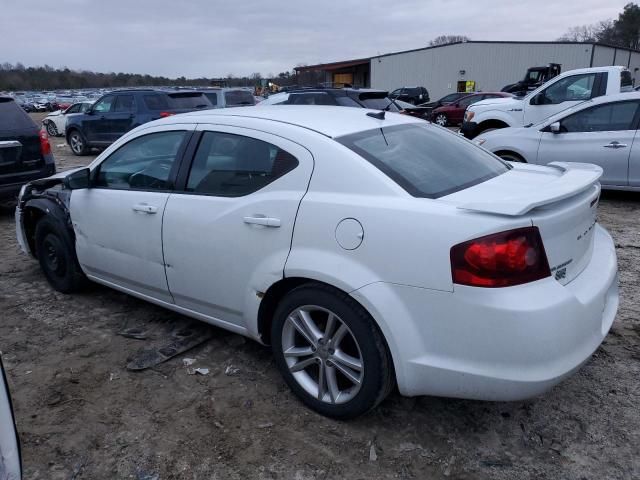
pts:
pixel 559 93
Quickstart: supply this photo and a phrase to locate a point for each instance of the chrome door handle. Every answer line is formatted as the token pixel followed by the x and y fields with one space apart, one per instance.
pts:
pixel 262 220
pixel 615 144
pixel 144 208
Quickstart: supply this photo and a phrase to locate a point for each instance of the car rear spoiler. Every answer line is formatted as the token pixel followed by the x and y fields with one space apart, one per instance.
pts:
pixel 574 178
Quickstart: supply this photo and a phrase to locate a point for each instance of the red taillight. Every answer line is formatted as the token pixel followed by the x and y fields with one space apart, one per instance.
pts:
pixel 166 114
pixel 45 146
pixel 500 260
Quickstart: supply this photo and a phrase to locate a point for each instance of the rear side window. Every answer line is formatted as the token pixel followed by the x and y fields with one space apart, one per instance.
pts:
pixel 626 82
pixel 189 100
pixel 12 117
pixel 230 165
pixel 424 160
pixel 238 97
pixel 156 102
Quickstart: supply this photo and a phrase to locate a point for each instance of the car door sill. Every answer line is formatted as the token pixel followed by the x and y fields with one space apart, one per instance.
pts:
pixel 171 306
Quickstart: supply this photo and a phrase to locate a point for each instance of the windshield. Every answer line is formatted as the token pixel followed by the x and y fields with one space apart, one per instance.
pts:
pixel 425 160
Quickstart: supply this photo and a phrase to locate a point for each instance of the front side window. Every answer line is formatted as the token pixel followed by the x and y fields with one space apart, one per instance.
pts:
pixel 74 108
pixel 230 165
pixel 142 164
pixel 573 88
pixel 124 104
pixel 424 160
pixel 602 118
pixel 104 105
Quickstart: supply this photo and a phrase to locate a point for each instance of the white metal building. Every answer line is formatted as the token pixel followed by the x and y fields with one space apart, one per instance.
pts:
pixel 491 65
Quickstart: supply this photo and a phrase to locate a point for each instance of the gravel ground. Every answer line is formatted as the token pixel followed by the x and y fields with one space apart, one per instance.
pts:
pixel 82 415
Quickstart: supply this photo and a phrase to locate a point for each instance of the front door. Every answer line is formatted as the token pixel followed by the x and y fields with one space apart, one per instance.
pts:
pixel 121 117
pixel 602 135
pixel 96 122
pixel 563 94
pixel 118 221
pixel 227 237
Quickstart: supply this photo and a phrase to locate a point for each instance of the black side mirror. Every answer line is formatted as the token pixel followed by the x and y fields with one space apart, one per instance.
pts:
pixel 78 180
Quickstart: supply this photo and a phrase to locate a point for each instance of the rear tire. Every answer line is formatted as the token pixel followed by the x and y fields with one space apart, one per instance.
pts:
pixel 57 257
pixel 52 131
pixel 441 119
pixel 340 371
pixel 77 143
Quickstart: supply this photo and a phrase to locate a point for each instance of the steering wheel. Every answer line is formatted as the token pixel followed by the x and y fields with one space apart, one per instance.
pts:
pixel 153 176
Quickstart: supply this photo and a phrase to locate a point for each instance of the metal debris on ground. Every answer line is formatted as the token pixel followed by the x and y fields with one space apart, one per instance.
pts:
pixel 181 340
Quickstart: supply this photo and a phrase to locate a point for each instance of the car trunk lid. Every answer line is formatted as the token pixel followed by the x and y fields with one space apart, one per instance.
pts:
pixel 561 201
pixel 20 152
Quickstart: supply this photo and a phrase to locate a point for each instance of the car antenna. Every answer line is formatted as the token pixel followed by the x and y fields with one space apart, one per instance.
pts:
pixel 379 115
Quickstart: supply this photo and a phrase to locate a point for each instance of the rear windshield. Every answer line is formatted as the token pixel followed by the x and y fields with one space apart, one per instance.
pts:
pixel 378 103
pixel 189 100
pixel 239 97
pixel 12 117
pixel 424 159
pixel 156 102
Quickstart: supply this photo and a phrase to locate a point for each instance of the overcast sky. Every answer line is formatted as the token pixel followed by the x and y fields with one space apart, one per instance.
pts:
pixel 215 37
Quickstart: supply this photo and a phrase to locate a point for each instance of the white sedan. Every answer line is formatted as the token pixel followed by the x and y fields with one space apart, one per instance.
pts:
pixel 368 250
pixel 601 131
pixel 56 122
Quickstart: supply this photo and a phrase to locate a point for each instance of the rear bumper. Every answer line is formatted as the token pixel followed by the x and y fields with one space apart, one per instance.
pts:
pixel 10 184
pixel 496 344
pixel 469 129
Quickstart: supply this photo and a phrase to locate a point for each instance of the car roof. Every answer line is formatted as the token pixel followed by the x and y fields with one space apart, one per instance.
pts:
pixel 328 120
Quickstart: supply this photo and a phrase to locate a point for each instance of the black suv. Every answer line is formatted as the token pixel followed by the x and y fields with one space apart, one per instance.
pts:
pixel 25 152
pixel 117 112
pixel 413 95
pixel 344 97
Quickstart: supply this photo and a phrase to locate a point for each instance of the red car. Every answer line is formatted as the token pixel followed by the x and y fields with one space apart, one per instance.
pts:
pixel 453 113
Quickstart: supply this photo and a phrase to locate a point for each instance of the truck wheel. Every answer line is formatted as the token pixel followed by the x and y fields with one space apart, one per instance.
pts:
pixel 330 352
pixel 77 143
pixel 57 257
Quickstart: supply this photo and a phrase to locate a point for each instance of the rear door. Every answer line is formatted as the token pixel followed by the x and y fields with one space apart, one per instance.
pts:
pixel 602 135
pixel 118 221
pixel 227 236
pixel 122 116
pixel 10 462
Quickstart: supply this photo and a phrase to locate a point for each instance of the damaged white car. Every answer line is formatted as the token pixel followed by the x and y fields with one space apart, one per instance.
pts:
pixel 369 249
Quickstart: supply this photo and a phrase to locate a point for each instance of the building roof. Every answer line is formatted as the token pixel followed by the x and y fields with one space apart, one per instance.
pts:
pixel 334 65
pixel 364 61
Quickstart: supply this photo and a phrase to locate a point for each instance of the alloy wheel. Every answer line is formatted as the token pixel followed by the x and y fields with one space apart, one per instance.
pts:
pixel 52 131
pixel 441 120
pixel 322 354
pixel 77 144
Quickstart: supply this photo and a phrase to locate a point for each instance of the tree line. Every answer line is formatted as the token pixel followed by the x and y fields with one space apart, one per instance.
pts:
pixel 18 77
pixel 622 32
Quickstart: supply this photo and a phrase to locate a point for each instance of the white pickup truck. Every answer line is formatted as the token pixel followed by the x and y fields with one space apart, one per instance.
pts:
pixel 559 93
